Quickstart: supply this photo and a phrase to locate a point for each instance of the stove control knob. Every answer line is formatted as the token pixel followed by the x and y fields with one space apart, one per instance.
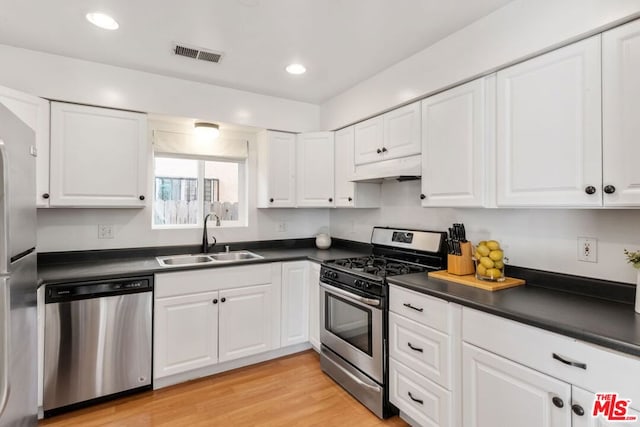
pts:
pixel 367 285
pixel 334 275
pixel 358 283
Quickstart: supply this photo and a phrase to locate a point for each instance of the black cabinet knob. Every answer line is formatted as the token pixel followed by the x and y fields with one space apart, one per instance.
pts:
pixel 271 200
pixel 330 199
pixel 223 299
pixel 557 402
pixel 609 189
pixel 590 189
pixel 215 300
pixel 422 197
pixel 577 409
pixel 378 151
pixel 141 197
pixel 384 149
pixel 350 199
pixel 45 196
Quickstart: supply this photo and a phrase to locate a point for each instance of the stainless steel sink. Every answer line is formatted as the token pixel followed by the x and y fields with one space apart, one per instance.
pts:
pixel 234 256
pixel 182 260
pixel 213 258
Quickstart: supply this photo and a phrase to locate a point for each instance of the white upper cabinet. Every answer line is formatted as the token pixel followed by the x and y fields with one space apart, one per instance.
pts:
pixel 99 157
pixel 315 169
pixel 276 170
pixel 34 112
pixel 350 194
pixel 368 141
pixel 621 108
pixel 401 132
pixel 549 129
pixel 455 140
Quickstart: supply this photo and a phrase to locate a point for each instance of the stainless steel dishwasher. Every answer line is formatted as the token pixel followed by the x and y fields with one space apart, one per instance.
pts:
pixel 97 342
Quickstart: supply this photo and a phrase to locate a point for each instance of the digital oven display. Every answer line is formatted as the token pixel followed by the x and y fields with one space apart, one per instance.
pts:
pixel 402 237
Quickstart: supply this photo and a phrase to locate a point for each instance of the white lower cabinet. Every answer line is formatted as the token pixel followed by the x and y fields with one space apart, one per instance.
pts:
pixel 295 303
pixel 203 317
pixel 500 393
pixel 314 305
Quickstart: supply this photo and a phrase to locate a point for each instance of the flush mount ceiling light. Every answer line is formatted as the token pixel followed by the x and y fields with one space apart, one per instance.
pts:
pixel 102 20
pixel 207 130
pixel 296 69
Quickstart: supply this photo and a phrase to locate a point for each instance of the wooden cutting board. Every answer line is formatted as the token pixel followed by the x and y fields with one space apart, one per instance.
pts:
pixel 470 280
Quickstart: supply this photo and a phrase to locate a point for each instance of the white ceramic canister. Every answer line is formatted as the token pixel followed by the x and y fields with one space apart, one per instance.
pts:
pixel 323 241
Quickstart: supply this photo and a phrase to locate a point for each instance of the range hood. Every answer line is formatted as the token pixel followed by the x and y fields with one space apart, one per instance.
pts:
pixel 402 169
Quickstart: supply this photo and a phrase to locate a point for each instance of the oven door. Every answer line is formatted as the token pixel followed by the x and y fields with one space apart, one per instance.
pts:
pixel 351 326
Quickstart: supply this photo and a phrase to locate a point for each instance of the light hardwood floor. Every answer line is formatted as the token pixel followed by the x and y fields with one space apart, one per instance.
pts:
pixel 291 391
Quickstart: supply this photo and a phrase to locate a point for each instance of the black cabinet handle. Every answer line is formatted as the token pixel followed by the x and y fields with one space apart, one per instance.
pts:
pixel 330 199
pixel 378 151
pixel 215 300
pixel 406 304
pixel 422 197
pixel 419 350
pixel 45 196
pixel 590 189
pixel 557 402
pixel 569 362
pixel 420 401
pixel 577 409
pixel 609 189
pixel 141 197
pixel 271 200
pixel 384 149
pixel 223 299
pixel 350 199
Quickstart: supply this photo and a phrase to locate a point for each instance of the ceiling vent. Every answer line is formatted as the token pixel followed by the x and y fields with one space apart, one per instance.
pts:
pixel 197 53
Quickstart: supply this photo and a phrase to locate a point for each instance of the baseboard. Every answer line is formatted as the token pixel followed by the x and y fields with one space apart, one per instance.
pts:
pixel 227 366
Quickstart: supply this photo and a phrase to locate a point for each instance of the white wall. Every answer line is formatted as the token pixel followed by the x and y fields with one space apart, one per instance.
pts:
pixel 536 238
pixel 513 32
pixel 77 229
pixel 74 80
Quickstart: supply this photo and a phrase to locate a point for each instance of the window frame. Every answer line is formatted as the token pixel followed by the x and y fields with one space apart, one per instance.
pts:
pixel 243 199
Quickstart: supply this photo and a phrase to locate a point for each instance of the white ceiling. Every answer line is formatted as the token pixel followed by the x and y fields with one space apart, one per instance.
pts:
pixel 341 42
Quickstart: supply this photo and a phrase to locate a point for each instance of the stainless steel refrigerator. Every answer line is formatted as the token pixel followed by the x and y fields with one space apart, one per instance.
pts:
pixel 18 277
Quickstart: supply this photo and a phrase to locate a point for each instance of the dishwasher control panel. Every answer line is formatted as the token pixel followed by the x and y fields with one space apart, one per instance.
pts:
pixel 97 289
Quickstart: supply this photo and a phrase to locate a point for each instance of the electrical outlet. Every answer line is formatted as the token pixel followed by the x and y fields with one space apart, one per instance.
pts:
pixel 587 249
pixel 105 232
pixel 282 227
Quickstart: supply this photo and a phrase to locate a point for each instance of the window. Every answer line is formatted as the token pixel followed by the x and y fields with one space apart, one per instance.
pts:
pixel 187 189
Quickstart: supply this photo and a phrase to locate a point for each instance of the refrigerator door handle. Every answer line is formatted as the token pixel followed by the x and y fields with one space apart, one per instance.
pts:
pixel 5 351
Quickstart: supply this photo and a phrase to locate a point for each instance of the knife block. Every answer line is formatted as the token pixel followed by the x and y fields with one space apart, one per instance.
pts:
pixel 461 265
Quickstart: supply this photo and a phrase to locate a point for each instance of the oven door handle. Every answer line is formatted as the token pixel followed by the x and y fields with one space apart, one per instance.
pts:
pixel 368 301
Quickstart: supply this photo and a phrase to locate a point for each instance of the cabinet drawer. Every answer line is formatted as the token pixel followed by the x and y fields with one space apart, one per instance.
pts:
pixel 424 309
pixel 422 400
pixel 213 279
pixel 424 349
pixel 533 347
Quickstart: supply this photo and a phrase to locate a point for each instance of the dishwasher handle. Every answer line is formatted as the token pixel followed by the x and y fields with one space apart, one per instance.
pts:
pixel 98 289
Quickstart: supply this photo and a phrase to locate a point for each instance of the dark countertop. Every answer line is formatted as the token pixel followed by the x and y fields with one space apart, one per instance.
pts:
pixel 140 265
pixel 611 324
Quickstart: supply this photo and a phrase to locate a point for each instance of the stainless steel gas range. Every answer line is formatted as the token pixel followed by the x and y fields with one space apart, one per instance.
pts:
pixel 354 310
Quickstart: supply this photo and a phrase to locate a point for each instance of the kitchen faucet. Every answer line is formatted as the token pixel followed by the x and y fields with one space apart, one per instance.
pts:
pixel 205 238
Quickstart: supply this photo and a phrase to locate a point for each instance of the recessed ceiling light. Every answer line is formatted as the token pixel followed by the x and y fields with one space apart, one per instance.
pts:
pixel 296 69
pixel 102 20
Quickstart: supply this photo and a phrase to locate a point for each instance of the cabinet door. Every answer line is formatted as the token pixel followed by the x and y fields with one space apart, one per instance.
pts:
pixel 276 170
pixel 314 305
pixel 500 393
pixel 453 146
pixel 582 402
pixel 621 103
pixel 34 112
pixel 368 141
pixel 344 167
pixel 315 169
pixel 185 333
pixel 549 129
pixel 99 157
pixel 295 303
pixel 402 132
pixel 247 320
